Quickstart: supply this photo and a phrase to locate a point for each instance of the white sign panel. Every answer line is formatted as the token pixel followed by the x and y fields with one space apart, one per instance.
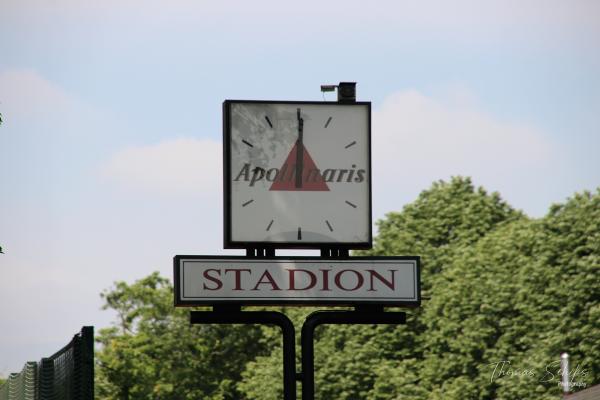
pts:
pixel 207 280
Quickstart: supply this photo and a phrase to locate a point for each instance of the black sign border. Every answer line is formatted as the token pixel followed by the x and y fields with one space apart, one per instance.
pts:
pixel 228 242
pixel 179 302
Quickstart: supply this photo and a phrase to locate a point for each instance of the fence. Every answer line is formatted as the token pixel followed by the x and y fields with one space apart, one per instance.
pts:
pixel 66 375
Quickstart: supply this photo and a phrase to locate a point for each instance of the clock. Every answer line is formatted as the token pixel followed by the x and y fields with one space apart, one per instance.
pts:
pixel 297 174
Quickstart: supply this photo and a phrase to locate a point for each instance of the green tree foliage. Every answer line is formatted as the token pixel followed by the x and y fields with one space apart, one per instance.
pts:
pixel 154 353
pixel 502 287
pixel 519 296
pixel 502 290
pixel 442 219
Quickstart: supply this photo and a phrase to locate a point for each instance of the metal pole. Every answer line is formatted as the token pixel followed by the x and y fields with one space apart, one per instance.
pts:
pixel 363 315
pixel 232 314
pixel 564 366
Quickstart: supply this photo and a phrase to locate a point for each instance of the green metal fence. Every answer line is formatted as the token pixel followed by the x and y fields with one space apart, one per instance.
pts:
pixel 21 386
pixel 66 375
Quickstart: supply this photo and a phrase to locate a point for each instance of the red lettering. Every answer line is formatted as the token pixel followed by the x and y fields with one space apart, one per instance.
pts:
pixel 325 279
pixel 238 277
pixel 359 280
pixel 374 274
pixel 292 274
pixel 214 279
pixel 269 280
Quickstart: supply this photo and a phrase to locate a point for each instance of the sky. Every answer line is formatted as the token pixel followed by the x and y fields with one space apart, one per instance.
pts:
pixel 110 150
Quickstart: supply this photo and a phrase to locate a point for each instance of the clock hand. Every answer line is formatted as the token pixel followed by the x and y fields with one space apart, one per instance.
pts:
pixel 299 150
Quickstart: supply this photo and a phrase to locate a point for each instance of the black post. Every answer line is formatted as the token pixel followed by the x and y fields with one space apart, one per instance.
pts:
pixel 45 389
pixel 84 354
pixel 260 252
pixel 367 314
pixel 327 252
pixel 232 314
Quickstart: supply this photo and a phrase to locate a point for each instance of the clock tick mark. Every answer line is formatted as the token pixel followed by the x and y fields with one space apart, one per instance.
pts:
pixel 269 121
pixel 299 233
pixel 246 203
pixel 328 121
pixel 270 224
pixel 247 143
pixel 350 144
pixel 329 225
pixel 350 204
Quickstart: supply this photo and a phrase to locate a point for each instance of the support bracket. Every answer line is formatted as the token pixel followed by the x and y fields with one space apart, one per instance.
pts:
pixel 364 315
pixel 232 314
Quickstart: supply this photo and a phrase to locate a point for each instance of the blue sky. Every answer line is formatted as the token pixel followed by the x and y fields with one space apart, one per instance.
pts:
pixel 110 156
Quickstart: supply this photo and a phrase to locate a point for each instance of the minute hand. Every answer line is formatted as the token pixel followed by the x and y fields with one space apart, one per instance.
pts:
pixel 299 150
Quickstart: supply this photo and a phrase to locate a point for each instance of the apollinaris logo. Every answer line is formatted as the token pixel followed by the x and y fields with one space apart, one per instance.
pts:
pixel 312 178
pixel 299 171
pixel 552 373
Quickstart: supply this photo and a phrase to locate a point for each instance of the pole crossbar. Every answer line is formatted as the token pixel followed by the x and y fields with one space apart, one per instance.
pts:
pixel 234 315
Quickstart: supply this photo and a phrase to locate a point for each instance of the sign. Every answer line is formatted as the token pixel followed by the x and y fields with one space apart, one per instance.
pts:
pixel 297 174
pixel 208 280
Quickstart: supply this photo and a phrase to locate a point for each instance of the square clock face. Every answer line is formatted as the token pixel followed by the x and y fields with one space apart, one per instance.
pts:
pixel 297 174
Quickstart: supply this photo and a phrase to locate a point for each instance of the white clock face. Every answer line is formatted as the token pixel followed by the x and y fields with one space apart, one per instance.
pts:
pixel 298 174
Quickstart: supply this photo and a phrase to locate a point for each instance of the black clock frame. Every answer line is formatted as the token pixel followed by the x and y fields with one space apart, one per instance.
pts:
pixel 229 243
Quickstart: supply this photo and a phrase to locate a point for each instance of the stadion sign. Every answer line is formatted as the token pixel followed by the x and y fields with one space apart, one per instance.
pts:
pixel 209 280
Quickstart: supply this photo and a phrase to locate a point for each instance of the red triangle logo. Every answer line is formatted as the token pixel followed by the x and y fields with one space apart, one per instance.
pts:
pixel 307 179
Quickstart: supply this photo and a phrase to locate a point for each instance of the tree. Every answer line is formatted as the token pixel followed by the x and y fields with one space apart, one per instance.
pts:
pixel 349 360
pixel 443 220
pixel 498 287
pixel 154 353
pixel 520 295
